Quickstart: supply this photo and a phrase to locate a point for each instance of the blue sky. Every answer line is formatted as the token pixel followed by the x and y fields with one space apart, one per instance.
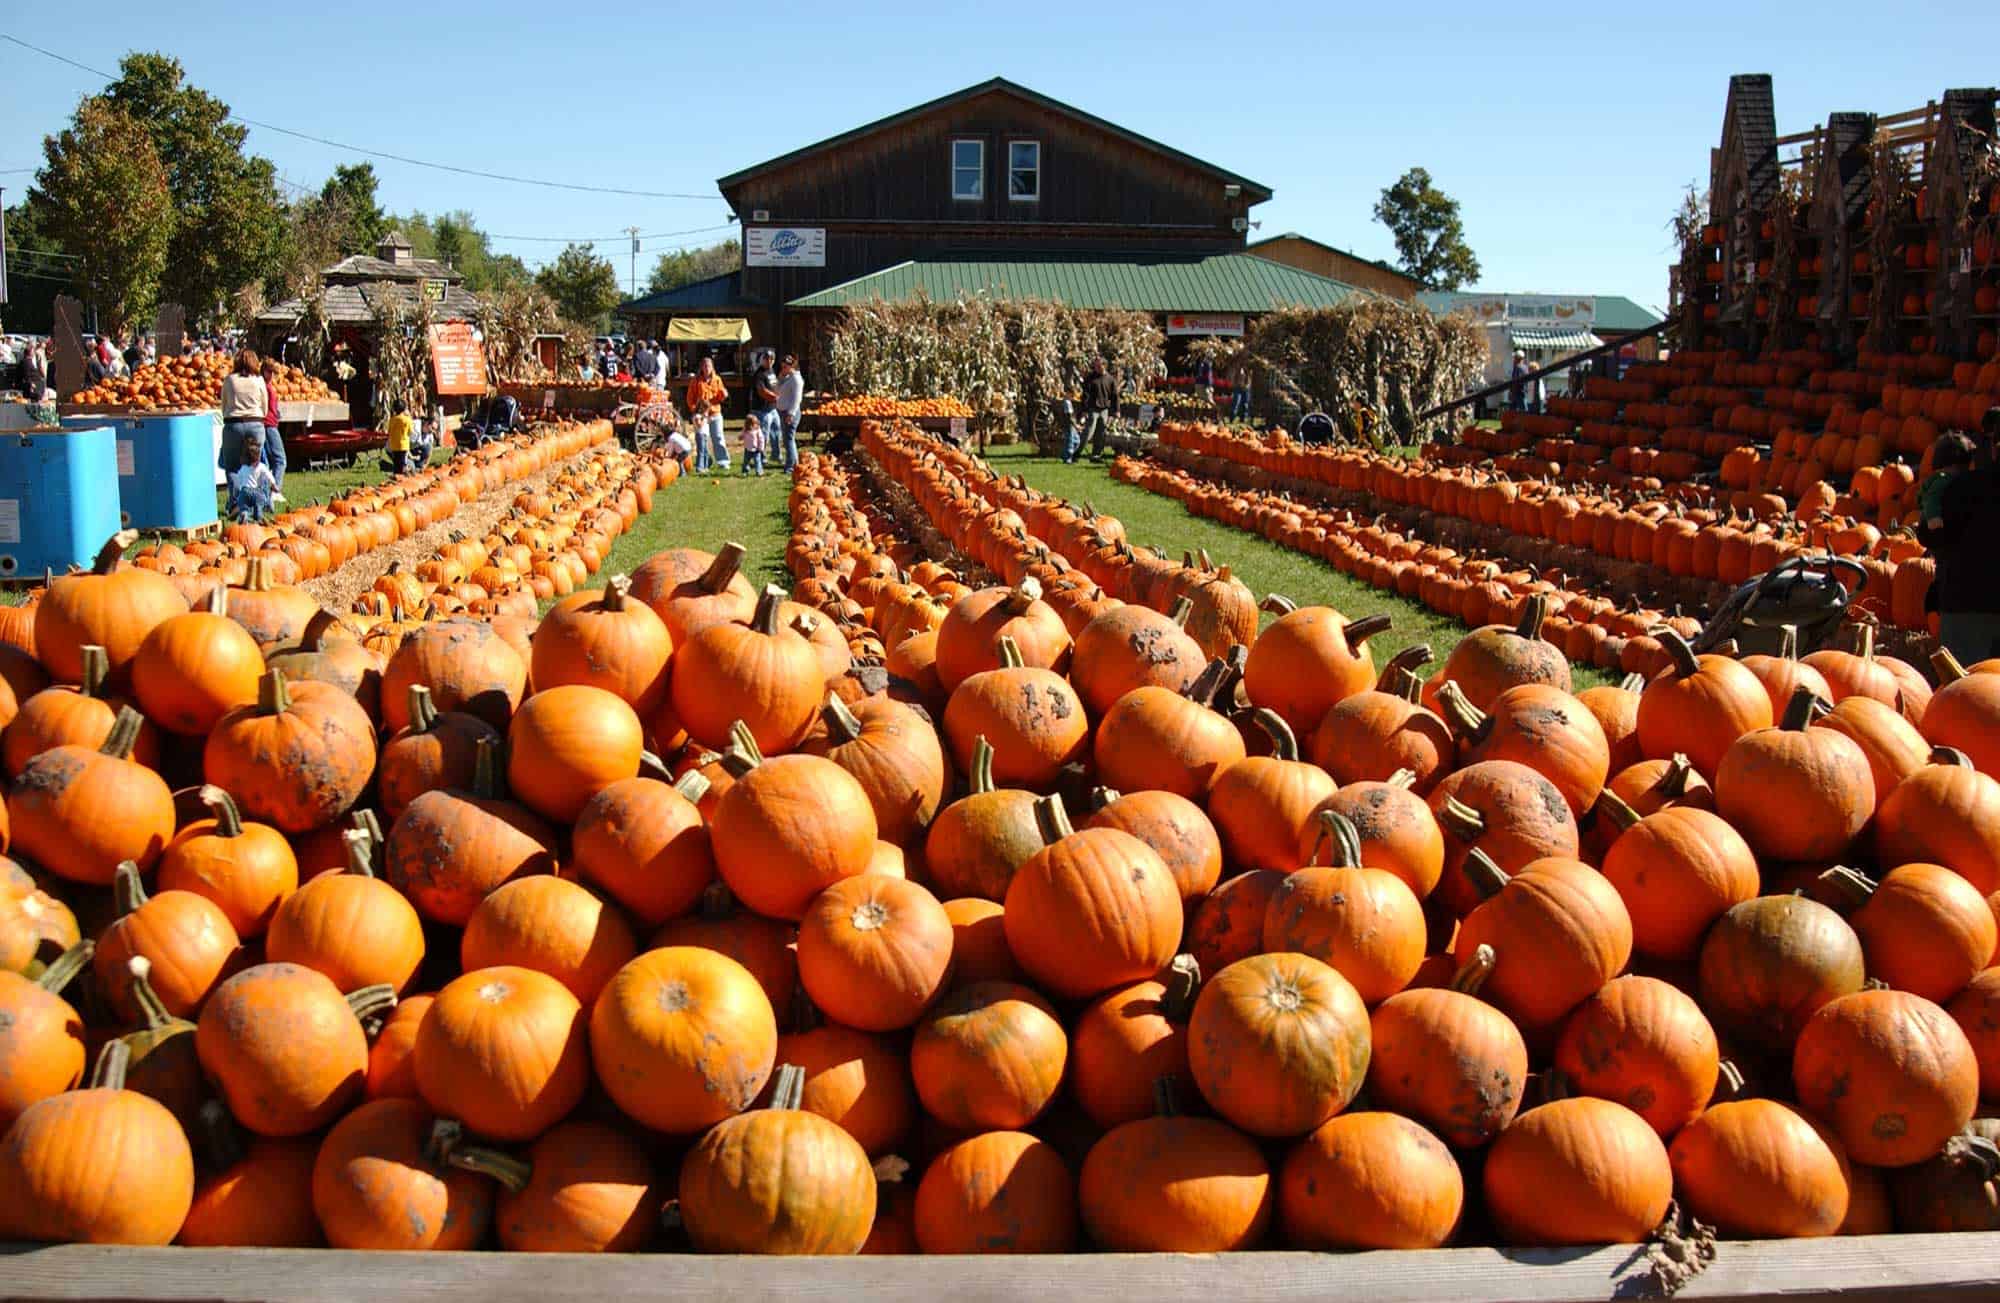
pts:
pixel 1566 136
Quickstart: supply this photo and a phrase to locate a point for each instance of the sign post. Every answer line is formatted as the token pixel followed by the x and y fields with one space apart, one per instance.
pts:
pixel 458 364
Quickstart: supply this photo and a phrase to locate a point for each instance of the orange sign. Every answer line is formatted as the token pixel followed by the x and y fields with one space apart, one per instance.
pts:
pixel 457 360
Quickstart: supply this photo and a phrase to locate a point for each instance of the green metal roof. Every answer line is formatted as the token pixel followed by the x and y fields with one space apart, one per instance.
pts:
pixel 1615 313
pixel 1227 282
pixel 713 294
pixel 1573 338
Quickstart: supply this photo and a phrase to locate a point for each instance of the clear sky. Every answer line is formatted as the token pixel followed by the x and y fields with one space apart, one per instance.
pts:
pixel 1567 133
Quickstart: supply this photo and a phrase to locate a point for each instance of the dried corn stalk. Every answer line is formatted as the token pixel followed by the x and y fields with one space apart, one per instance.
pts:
pixel 1371 363
pixel 399 361
pixel 509 322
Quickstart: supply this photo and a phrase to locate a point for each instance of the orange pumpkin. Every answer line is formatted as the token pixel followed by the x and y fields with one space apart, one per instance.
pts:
pixel 1278 1043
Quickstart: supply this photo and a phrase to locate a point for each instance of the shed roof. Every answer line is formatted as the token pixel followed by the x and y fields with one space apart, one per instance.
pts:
pixel 717 293
pixel 1331 248
pixel 367 267
pixel 355 304
pixel 1614 312
pixel 1226 282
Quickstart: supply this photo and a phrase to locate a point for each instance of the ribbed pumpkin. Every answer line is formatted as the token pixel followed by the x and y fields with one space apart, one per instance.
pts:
pixel 998 1192
pixel 298 759
pixel 1394 827
pixel 450 848
pixel 111 605
pixel 690 589
pixel 988 1057
pixel 1129 647
pixel 1261 803
pixel 1644 1044
pixel 1560 930
pixel 1366 923
pixel 1278 1043
pixel 1890 1072
pixel 1795 792
pixel 41 1048
pixel 977 842
pixel 1784 674
pixel 1030 716
pixel 1371 735
pixel 1767 965
pixel 383 1180
pixel 791 827
pixel 1155 739
pixel 1616 708
pixel 1449 1059
pixel 247 869
pixel 1308 660
pixel 858 1080
pixel 1964 713
pixel 1755 1168
pixel 645 845
pixel 553 926
pixel 437 749
pixel 256 1191
pixel 1092 909
pixel 1229 924
pixel 591 1189
pixel 1945 813
pixel 351 926
pixel 969 640
pixel 1175 827
pixel 764 946
pixel 1175 1184
pixel 1577 1171
pixel 1958 1190
pixel 682 1038
pixel 874 951
pixel 1495 657
pixel 503 1050
pixel 567 744
pixel 1677 870
pixel 285 1048
pixel 1894 747
pixel 1506 811
pixel 65 715
pixel 185 937
pixel 466 664
pixel 1856 673
pixel 607 640
pixel 893 752
pixel 82 811
pixel 757 671
pixel 193 669
pixel 1923 928
pixel 1977 1012
pixel 1700 706
pixel 273 613
pixel 1369 1181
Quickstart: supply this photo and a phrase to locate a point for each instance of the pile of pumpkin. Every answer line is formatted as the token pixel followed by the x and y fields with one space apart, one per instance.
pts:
pixel 885 408
pixel 194 381
pixel 1105 926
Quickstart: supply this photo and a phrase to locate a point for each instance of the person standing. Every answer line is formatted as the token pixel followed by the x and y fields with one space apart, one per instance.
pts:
pixel 1962 532
pixel 791 397
pixel 244 403
pixel 755 439
pixel 1517 389
pixel 764 397
pixel 1100 400
pixel 1239 390
pixel 1204 383
pixel 274 443
pixel 705 396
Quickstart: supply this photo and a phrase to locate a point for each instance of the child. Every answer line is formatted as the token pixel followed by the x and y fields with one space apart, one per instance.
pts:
pixel 679 448
pixel 1950 456
pixel 753 443
pixel 251 484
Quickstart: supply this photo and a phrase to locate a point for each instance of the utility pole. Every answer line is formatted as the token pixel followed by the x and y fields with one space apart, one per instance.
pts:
pixel 633 231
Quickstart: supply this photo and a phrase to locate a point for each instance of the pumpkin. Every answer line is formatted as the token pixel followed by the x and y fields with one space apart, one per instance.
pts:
pixel 353 927
pixel 788 829
pixel 553 926
pixel 997 1192
pixel 777 1180
pixel 102 1165
pixel 1309 660
pixel 979 950
pixel 1174 1184
pixel 1449 1059
pixel 645 845
pixel 977 842
pixel 1890 1072
pixel 438 749
pixel 568 743
pixel 1366 923
pixel 1893 746
pixel 1923 928
pixel 690 590
pixel 274 614
pixel 893 752
pixel 762 945
pixel 1756 1169
pixel 164 1064
pixel 502 1050
pixel 1945 813
pixel 1229 925
pixel 83 811
pixel 185 937
pixel 1958 1190
pixel 1278 1043
pixel 1977 1012
pixel 72 716
pixel 1700 706
pixel 590 1189
pixel 874 951
pixel 1394 828
pixel 604 640
pixel 760 672
pixel 1561 932
pixel 1155 739
pixel 1090 910
pixel 1767 965
pixel 1616 709
pixel 194 668
pixel 1495 657
pixel 392 1066
pixel 1369 1181
pixel 41 1035
pixel 111 605
pixel 1260 803
pixel 450 848
pixel 467 665
pixel 1964 713
pixel 247 869
pixel 1856 673
pixel 1577 1171
pixel 855 1079
pixel 1369 736
pixel 1128 647
pixel 340 662
pixel 1176 829
pixel 682 1038
pixel 34 925
pixel 1540 727
pixel 298 759
pixel 1507 812
pixel 1127 1039
pixel 285 1048
pixel 382 1180
pixel 988 1057
pixel 1644 1044
pixel 256 1191
pixel 1677 870
pixel 1030 716
pixel 1784 674
pixel 1794 792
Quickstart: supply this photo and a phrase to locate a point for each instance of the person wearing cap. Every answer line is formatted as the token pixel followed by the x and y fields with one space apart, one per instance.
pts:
pixel 251 484
pixel 764 398
pixel 1517 391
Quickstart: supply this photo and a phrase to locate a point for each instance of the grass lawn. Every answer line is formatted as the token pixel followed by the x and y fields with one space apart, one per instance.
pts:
pixel 706 511
pixel 1162 522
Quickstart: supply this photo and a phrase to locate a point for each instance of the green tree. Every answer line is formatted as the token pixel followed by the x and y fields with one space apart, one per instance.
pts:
pixel 351 190
pixel 452 241
pixel 584 286
pixel 228 220
pixel 103 195
pixel 686 266
pixel 1430 237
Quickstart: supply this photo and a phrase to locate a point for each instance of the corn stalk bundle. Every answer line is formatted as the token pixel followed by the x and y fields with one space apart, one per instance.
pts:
pixel 1786 213
pixel 1687 224
pixel 508 323
pixel 1370 363
pixel 1894 198
pixel 1973 217
pixel 399 360
pixel 314 331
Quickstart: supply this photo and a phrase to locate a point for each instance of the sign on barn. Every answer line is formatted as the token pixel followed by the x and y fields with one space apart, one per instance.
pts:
pixel 784 246
pixel 1493 309
pixel 1227 324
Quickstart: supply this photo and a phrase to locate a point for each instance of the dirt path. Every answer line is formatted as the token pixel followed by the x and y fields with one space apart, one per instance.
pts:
pixel 337 591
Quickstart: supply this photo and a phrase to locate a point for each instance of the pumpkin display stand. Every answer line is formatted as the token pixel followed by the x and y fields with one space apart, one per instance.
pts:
pixel 1875 1266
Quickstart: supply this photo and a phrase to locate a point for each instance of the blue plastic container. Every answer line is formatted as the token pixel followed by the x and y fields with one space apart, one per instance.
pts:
pixel 166 466
pixel 58 498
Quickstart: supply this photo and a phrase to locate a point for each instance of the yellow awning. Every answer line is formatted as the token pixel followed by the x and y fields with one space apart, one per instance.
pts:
pixel 708 330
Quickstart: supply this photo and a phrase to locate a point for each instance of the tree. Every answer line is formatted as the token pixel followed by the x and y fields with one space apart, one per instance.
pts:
pixel 455 238
pixel 228 219
pixel 351 189
pixel 1430 237
pixel 584 286
pixel 451 241
pixel 686 266
pixel 103 196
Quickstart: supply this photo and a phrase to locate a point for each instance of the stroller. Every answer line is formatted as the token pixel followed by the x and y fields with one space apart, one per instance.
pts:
pixel 1805 593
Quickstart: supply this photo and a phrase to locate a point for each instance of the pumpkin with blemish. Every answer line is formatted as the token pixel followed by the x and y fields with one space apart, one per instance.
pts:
pixel 1644 1044
pixel 502 1050
pixel 1365 922
pixel 83 811
pixel 1175 827
pixel 298 759
pixel 1128 647
pixel 186 938
pixel 467 665
pixel 1260 804
pixel 1155 739
pixel 788 829
pixel 997 1192
pixel 1092 909
pixel 1369 1181
pixel 553 926
pixel 1031 717
pixel 1767 965
pixel 645 845
pixel 285 1049
pixel 606 639
pixel 41 1034
pixel 349 925
pixel 758 672
pixel 381 1182
pixel 1507 812
pixel 247 869
pixel 682 1038
pixel 976 843
pixel 1448 1059
pixel 450 848
pixel 893 752
pixel 1278 1043
pixel 1890 1072
pixel 988 1057
pixel 438 749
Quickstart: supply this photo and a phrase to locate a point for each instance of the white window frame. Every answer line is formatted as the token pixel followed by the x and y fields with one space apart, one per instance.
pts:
pixel 1036 197
pixel 979 193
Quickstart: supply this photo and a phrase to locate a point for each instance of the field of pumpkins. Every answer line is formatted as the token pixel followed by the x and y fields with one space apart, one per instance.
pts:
pixel 998 888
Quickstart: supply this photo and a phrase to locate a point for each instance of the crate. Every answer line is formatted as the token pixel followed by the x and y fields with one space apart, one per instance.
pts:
pixel 166 466
pixel 58 498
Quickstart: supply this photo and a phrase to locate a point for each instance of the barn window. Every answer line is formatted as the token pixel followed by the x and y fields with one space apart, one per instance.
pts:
pixel 1024 170
pixel 968 169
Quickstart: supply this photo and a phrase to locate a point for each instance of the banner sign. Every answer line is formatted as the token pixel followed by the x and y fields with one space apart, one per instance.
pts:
pixel 1494 309
pixel 1227 324
pixel 457 360
pixel 784 246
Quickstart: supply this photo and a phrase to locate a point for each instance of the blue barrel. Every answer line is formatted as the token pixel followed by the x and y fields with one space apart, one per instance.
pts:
pixel 166 466
pixel 58 498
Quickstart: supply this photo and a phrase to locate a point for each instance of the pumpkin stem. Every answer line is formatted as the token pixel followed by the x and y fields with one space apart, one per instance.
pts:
pixel 1022 596
pixel 1472 974
pixel 221 1140
pixel 447 1145
pixel 63 969
pixel 1336 828
pixel 692 786
pixel 789 1087
pixel 1532 617
pixel 1854 886
pixel 1407 662
pixel 1613 807
pixel 1166 1097
pixel 1472 724
pixel 128 890
pixel 1730 1084
pixel 1685 661
pixel 1278 604
pixel 488 765
pixel 113 1061
pixel 1675 781
pixel 1462 821
pixel 113 551
pixel 1201 555
pixel 423 711
pixel 360 852
pixel 765 618
pixel 1864 643
pixel 1183 608
pixel 1405 779
pixel 1284 743
pixel 1100 797
pixel 1051 820
pixel 1951 756
pixel 616 589
pixel 1947 666
pixel 890 1169
pixel 1360 631
pixel 1010 653
pixel 371 1004
pixel 1633 683
pixel 1804 707
pixel 272 696
pixel 1977 1152
pixel 840 722
pixel 124 734
pixel 982 765
pixel 1788 642
pixel 742 754
pixel 96 669
pixel 723 569
pixel 1182 983
pixel 228 818
pixel 1487 878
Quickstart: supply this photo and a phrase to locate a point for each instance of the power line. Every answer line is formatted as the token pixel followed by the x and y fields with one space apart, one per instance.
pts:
pixel 386 154
pixel 601 239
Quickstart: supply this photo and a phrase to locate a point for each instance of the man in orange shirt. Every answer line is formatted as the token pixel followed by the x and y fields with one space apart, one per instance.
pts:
pixel 705 395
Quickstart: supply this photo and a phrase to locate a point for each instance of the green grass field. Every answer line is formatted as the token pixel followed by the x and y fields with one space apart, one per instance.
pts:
pixel 706 511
